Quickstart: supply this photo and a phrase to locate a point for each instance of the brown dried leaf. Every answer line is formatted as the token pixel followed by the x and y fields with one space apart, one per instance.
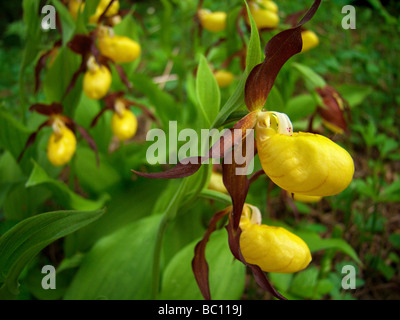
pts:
pixel 334 106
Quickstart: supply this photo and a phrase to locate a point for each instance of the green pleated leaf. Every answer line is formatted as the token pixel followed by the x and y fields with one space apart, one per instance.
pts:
pixel 226 275
pixel 253 57
pixel 13 134
pixel 122 262
pixel 58 78
pixel 26 239
pixel 64 195
pixel 207 90
pixel 68 23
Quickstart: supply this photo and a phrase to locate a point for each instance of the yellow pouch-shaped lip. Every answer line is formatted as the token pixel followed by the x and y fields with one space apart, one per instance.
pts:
pixel 304 163
pixel 269 5
pixel 273 249
pixel 212 21
pixel 124 125
pixel 119 48
pixel 264 18
pixel 61 146
pixel 310 40
pixel 96 81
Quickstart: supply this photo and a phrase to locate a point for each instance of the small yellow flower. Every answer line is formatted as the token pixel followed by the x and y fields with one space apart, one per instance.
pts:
pixel 113 10
pixel 212 21
pixel 120 49
pixel 302 163
pixel 224 78
pixel 310 40
pixel 123 122
pixel 97 80
pixel 273 249
pixel 61 145
pixel 216 182
pixel 265 14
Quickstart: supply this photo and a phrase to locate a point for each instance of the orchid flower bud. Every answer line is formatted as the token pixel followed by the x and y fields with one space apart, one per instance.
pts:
pixel 61 145
pixel 303 163
pixel 97 80
pixel 212 21
pixel 120 49
pixel 310 40
pixel 273 249
pixel 123 122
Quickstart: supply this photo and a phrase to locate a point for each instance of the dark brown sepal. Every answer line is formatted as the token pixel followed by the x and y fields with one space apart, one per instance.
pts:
pixel 46 109
pixel 41 64
pixel 199 262
pixel 32 138
pixel 278 50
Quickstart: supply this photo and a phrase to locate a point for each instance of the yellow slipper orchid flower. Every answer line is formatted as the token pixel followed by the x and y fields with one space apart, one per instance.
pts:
pixel 120 49
pixel 303 163
pixel 123 122
pixel 273 249
pixel 61 145
pixel 212 21
pixel 265 14
pixel 97 80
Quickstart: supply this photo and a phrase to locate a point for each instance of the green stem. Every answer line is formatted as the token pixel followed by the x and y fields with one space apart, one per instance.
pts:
pixel 22 98
pixel 155 286
pixel 168 215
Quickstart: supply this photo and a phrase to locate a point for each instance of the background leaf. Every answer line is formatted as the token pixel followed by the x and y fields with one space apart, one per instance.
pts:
pixel 207 90
pixel 123 262
pixel 67 197
pixel 21 243
pixel 226 274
